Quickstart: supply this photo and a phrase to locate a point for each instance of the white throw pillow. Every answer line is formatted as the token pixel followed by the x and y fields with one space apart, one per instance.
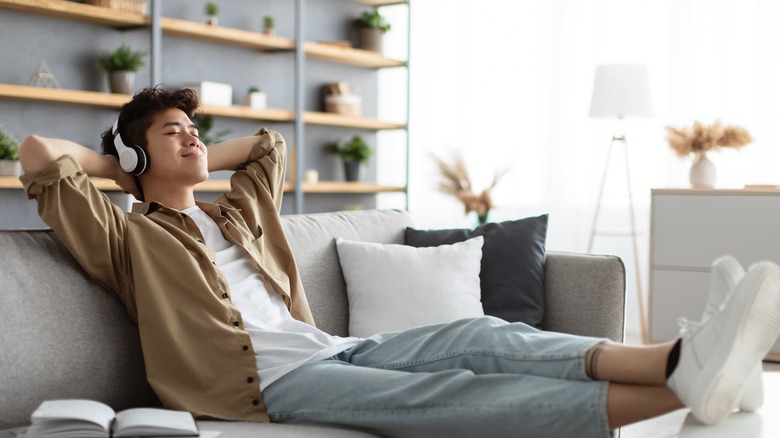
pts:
pixel 397 287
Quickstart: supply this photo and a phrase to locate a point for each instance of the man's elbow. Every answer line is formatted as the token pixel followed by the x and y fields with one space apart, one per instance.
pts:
pixel 33 153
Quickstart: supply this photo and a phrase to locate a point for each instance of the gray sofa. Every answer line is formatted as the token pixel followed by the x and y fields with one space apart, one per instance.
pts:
pixel 65 337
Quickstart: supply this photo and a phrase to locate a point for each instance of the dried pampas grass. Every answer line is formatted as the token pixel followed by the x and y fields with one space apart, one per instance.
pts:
pixel 702 138
pixel 456 181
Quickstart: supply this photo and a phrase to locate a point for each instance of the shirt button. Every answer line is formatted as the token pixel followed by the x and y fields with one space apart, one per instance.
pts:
pixel 250 379
pixel 236 323
pixel 245 347
pixel 224 295
pixel 255 402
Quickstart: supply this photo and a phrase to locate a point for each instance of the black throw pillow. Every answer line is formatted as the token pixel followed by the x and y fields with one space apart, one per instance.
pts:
pixel 512 275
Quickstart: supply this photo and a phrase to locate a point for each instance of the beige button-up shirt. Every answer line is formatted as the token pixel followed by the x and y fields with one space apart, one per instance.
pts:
pixel 197 354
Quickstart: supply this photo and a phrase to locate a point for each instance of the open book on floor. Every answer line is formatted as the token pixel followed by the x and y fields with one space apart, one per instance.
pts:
pixel 87 418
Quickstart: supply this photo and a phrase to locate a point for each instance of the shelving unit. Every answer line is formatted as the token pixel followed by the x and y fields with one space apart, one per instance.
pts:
pixel 217 35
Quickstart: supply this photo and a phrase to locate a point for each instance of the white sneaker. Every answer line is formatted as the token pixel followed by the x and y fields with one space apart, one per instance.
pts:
pixel 725 274
pixel 717 354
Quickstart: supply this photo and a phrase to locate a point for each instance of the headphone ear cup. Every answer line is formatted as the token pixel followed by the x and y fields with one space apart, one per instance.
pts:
pixel 142 160
pixel 133 159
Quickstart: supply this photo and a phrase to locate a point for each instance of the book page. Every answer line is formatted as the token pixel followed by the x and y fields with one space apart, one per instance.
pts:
pixel 152 421
pixel 74 410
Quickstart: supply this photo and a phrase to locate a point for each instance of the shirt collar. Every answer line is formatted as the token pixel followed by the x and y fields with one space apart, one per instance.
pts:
pixel 146 208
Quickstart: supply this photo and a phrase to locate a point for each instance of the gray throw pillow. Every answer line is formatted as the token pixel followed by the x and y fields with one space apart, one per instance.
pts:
pixel 512 275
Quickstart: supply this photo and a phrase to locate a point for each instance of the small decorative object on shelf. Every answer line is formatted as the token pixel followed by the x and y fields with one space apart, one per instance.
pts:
pixel 340 99
pixel 9 154
pixel 700 139
pixel 121 65
pixel 268 25
pixel 212 93
pixel 211 10
pixel 456 181
pixel 256 99
pixel 354 153
pixel 372 27
pixel 137 6
pixel 311 176
pixel 43 77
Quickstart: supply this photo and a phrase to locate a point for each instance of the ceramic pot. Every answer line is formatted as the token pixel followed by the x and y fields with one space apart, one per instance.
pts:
pixel 10 168
pixel 122 82
pixel 703 174
pixel 352 170
pixel 371 39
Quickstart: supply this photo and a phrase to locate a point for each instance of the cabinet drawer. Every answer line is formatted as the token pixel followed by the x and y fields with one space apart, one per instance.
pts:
pixel 693 230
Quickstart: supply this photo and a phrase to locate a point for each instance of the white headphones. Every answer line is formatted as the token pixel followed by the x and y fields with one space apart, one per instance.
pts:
pixel 132 159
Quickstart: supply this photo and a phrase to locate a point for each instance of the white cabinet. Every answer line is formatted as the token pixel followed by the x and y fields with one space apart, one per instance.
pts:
pixel 690 228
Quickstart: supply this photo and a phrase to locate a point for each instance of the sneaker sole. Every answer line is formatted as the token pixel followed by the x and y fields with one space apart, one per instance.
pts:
pixel 757 332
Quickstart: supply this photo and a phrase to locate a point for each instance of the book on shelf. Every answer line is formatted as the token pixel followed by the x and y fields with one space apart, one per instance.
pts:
pixel 88 418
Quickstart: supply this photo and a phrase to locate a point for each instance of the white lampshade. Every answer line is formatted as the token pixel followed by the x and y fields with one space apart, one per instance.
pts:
pixel 621 90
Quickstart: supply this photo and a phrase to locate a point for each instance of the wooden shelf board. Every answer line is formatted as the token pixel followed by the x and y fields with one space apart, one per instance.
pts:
pixel 108 100
pixel 332 119
pixel 382 2
pixel 349 55
pixel 93 98
pixel 225 35
pixel 223 185
pixel 245 112
pixel 78 11
pixel 344 187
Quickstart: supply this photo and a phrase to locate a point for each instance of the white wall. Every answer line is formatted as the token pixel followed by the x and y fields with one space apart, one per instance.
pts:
pixel 508 82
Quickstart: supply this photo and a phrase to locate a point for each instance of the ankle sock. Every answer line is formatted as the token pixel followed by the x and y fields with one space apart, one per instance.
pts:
pixel 674 357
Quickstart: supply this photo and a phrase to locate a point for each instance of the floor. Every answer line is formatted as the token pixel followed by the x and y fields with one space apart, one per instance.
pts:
pixel 670 425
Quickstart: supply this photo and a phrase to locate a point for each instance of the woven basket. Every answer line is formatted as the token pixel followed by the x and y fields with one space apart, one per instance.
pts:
pixel 137 6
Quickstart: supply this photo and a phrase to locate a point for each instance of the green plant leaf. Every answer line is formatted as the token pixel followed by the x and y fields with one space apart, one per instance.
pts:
pixel 123 58
pixel 9 146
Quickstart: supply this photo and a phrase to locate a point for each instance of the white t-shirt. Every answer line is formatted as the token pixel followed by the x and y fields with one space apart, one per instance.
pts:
pixel 281 343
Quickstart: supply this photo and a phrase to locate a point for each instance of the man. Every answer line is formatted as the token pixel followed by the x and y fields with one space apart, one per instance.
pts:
pixel 227 333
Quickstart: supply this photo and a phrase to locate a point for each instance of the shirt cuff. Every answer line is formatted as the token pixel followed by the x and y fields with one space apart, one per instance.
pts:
pixel 59 169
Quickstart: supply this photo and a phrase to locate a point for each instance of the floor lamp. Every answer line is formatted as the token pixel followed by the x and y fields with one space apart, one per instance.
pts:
pixel 621 90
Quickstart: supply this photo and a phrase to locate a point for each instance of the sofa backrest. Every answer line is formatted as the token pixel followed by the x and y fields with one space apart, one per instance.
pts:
pixel 312 238
pixel 62 336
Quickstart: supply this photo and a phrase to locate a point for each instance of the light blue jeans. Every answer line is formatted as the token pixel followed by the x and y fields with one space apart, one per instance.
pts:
pixel 479 377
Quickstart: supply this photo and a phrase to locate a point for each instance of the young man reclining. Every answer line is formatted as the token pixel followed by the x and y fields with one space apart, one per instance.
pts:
pixel 227 333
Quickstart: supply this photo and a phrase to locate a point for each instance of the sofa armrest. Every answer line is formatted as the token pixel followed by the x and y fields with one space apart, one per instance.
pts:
pixel 585 295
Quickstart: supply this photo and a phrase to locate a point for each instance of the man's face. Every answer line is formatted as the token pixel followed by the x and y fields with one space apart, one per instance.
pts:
pixel 176 154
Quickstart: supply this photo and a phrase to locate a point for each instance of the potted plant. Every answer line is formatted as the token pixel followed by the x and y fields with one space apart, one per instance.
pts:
pixel 121 65
pixel 255 98
pixel 269 27
pixel 211 10
pixel 372 26
pixel 354 152
pixel 9 154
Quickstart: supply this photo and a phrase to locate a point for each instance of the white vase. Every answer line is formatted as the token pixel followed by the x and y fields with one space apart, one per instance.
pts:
pixel 703 174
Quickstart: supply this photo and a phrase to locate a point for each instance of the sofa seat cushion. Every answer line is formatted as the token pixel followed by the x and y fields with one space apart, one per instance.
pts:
pixel 241 429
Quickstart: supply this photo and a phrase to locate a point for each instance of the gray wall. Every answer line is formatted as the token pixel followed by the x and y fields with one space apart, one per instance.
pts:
pixel 71 49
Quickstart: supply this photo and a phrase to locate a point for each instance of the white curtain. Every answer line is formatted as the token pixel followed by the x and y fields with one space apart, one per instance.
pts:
pixel 508 83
